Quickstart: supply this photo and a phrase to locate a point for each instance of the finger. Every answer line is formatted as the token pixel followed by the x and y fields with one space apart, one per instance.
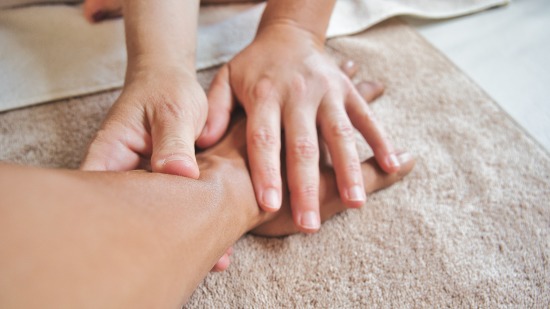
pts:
pixel 376 179
pixel 369 91
pixel 98 10
pixel 173 135
pixel 115 148
pixel 339 135
pixel 302 154
pixel 220 104
pixel 264 152
pixel 364 120
pixel 350 68
pixel 222 264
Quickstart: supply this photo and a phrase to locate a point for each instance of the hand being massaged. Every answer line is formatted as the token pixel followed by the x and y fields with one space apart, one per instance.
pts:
pixel 139 239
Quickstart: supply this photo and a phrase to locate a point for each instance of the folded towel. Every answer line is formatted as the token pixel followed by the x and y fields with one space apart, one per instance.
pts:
pixel 50 52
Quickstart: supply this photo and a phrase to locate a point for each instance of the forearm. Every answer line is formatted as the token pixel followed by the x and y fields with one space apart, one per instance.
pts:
pixel 161 31
pixel 74 239
pixel 312 16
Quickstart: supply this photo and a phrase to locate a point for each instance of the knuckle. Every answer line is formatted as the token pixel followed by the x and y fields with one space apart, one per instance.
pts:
pixel 342 129
pixel 178 107
pixel 307 190
pixel 353 168
pixel 298 85
pixel 174 144
pixel 305 148
pixel 270 174
pixel 325 81
pixel 263 89
pixel 169 109
pixel 263 138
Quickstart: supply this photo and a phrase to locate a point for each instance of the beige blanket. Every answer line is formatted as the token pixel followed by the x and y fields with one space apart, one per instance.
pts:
pixel 470 227
pixel 50 52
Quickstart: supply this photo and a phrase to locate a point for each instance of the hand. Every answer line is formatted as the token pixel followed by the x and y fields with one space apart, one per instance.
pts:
pixel 158 116
pixel 232 151
pixel 280 223
pixel 156 119
pixel 284 78
pixel 374 179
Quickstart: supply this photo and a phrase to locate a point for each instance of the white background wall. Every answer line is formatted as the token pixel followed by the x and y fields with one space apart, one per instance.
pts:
pixel 506 51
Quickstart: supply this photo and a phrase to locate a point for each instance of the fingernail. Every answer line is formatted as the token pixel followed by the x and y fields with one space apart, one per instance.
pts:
pixel 393 161
pixel 349 64
pixel 349 67
pixel 271 199
pixel 404 158
pixel 356 194
pixel 99 16
pixel 310 220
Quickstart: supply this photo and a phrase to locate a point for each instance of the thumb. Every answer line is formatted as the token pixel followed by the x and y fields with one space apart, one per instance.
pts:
pixel 220 104
pixel 173 147
pixel 110 152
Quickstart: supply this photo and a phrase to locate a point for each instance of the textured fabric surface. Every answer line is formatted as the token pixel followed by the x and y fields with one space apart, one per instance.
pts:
pixel 34 41
pixel 469 227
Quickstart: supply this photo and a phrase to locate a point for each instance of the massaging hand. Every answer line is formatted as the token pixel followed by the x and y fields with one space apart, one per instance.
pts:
pixel 281 223
pixel 158 116
pixel 231 151
pixel 285 79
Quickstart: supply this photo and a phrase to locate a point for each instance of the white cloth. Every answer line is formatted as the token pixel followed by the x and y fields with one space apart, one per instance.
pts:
pixel 50 52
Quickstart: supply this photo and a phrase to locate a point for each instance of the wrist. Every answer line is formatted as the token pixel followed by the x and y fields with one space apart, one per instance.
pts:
pixel 148 61
pixel 144 68
pixel 237 200
pixel 285 30
pixel 308 16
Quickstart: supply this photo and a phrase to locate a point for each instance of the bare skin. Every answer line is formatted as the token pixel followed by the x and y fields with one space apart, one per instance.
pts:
pixel 369 91
pixel 300 89
pixel 162 110
pixel 132 239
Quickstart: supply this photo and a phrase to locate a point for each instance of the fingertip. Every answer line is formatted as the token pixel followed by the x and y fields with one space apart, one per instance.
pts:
pixel 177 164
pixel 204 140
pixel 388 162
pixel 407 163
pixel 350 68
pixel 369 91
pixel 309 221
pixel 392 164
pixel 401 162
pixel 355 197
pixel 222 264
pixel 270 200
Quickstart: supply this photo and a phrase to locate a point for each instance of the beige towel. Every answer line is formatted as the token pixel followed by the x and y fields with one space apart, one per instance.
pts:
pixel 470 227
pixel 51 52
